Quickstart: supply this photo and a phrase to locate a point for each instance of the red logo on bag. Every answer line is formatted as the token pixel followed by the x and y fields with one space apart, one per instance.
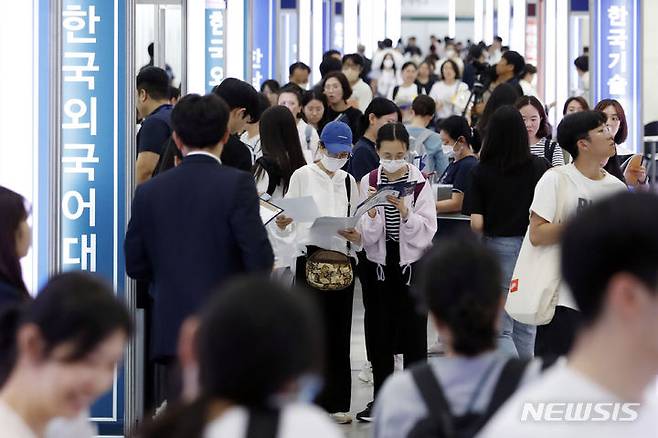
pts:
pixel 514 285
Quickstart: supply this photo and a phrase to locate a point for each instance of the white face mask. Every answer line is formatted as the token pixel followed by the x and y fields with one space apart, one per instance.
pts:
pixel 388 63
pixel 392 166
pixel 333 164
pixel 450 53
pixel 351 74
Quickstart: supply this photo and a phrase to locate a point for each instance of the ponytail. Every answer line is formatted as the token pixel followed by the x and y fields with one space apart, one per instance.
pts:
pixel 379 106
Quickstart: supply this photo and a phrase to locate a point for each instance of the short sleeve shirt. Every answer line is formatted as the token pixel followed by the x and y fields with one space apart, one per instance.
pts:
pixel 580 193
pixel 458 174
pixel 155 130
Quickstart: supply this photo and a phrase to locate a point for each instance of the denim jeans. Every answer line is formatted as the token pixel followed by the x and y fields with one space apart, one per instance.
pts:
pixel 515 338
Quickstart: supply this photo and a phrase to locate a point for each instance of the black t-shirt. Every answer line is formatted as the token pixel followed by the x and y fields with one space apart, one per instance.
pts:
pixel 351 116
pixel 504 198
pixel 155 130
pixel 236 154
pixel 458 173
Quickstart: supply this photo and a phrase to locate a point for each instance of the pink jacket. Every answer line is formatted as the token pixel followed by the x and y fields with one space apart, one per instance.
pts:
pixel 416 233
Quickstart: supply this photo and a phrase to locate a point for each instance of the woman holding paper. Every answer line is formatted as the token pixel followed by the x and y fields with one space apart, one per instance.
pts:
pixel 331 281
pixel 395 236
pixel 282 155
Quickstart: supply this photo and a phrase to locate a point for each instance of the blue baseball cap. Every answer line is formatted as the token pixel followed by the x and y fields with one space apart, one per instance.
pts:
pixel 337 137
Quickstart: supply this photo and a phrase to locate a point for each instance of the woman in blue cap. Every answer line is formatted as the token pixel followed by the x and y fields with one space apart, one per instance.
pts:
pixel 325 261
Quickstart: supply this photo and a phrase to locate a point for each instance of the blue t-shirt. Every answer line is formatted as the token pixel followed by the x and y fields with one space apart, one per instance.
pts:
pixel 364 159
pixel 155 130
pixel 458 174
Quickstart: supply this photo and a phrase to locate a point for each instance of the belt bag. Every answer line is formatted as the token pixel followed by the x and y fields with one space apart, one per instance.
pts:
pixel 329 270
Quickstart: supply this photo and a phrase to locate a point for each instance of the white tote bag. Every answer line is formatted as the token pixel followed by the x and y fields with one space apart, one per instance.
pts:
pixel 535 286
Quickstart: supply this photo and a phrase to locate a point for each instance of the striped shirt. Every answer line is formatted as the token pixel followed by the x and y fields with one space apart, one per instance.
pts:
pixel 538 151
pixel 392 214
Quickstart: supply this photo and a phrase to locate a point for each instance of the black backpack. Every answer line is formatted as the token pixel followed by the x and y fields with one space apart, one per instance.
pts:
pixel 397 88
pixel 440 423
pixel 263 423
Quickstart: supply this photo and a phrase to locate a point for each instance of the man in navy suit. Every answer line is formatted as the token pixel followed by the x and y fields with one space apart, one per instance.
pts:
pixel 194 226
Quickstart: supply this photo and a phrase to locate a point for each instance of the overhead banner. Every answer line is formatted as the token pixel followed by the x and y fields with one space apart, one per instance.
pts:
pixel 215 42
pixel 263 41
pixel 92 156
pixel 617 40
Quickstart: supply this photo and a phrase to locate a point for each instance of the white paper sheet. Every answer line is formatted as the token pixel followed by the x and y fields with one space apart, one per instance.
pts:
pixel 268 211
pixel 328 227
pixel 302 209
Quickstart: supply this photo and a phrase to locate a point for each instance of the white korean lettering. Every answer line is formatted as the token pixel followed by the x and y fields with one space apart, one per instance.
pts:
pixel 79 69
pixel 75 20
pixel 77 161
pixel 75 110
pixel 80 206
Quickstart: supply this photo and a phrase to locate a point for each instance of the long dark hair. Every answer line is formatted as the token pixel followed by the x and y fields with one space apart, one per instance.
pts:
pixel 288 339
pixel 13 212
pixel 279 140
pixel 74 308
pixel 506 147
pixel 544 127
pixel 379 107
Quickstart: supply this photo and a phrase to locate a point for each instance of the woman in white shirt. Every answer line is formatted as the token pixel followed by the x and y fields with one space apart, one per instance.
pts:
pixel 282 156
pixel 387 77
pixel 266 387
pixel 405 94
pixel 337 195
pixel 291 98
pixel 59 353
pixel 450 93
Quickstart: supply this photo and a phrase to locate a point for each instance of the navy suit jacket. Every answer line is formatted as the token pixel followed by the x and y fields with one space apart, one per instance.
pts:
pixel 192 228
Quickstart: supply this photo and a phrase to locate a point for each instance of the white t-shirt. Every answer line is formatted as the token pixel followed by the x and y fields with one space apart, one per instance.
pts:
pixel 565 388
pixel 449 95
pixel 405 94
pixel 12 425
pixel 580 192
pixel 297 421
pixel 253 143
pixel 310 147
pixel 363 94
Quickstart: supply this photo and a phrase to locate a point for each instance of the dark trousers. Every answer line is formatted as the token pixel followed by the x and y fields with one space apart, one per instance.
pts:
pixel 368 277
pixel 161 376
pixel 395 325
pixel 336 310
pixel 556 338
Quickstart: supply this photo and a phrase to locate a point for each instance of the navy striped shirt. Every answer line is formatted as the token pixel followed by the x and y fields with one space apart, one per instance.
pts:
pixel 391 213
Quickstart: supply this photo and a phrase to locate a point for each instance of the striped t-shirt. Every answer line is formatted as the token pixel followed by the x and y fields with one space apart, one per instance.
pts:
pixel 392 214
pixel 538 151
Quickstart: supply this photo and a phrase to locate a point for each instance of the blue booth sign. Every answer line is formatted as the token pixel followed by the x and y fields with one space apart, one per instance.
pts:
pixel 617 63
pixel 215 42
pixel 92 157
pixel 263 35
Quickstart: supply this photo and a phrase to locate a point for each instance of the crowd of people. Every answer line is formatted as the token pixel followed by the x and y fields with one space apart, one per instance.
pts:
pixel 551 296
